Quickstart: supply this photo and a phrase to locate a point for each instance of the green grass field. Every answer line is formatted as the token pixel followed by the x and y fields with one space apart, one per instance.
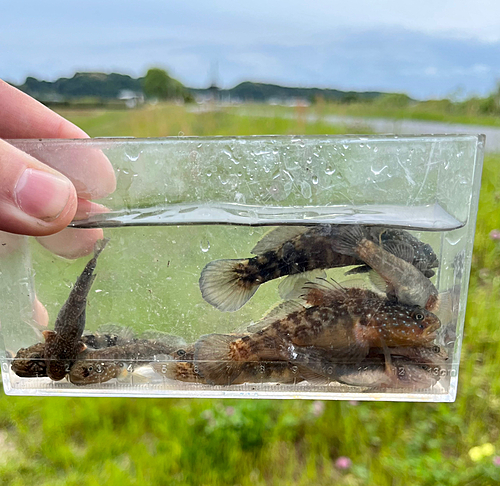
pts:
pixel 69 441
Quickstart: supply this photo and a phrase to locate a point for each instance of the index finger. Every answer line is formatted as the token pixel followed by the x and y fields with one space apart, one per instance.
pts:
pixel 24 117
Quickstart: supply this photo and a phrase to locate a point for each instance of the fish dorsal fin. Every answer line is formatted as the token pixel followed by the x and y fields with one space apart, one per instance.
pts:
pixel 277 237
pixel 175 341
pixel 358 270
pixel 291 286
pixel 346 238
pixel 401 250
pixel 321 290
pixel 276 313
pixel 125 333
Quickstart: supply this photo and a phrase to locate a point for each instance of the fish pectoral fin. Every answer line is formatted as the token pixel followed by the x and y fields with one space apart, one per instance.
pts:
pixel 222 285
pixel 291 286
pixel 378 282
pixel 49 335
pixel 273 240
pixel 401 250
pixel 81 347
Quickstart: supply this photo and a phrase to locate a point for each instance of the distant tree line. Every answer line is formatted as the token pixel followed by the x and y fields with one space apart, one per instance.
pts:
pixel 158 84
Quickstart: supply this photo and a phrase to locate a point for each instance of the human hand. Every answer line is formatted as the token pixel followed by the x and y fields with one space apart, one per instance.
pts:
pixel 41 199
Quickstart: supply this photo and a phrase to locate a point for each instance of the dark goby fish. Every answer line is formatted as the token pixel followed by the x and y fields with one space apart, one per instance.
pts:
pixel 63 344
pixel 347 322
pixel 182 367
pixel 30 362
pixel 102 365
pixel 292 251
pixel 402 280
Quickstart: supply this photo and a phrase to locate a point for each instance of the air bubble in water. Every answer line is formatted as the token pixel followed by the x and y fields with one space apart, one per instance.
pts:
pixel 205 246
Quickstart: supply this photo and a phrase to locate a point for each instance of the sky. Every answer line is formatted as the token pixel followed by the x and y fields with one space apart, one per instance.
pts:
pixel 427 49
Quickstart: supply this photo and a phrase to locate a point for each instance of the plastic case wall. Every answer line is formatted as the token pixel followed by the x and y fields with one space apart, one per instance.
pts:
pixel 182 203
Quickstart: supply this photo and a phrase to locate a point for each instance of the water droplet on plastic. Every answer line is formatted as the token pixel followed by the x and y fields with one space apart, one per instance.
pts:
pixel 329 171
pixel 240 198
pixel 205 246
pixel 375 149
pixel 180 134
pixel 209 174
pixel 133 155
pixel 315 180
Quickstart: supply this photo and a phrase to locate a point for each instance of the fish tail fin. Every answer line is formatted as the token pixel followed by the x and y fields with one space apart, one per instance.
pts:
pixel 213 358
pixel 99 246
pixel 346 238
pixel 225 284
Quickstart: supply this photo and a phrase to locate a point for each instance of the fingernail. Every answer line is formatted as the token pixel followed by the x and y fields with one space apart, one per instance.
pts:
pixel 42 195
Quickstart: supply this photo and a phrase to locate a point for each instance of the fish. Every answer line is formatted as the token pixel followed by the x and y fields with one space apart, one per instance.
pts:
pixel 102 365
pixel 401 374
pixel 407 366
pixel 30 362
pixel 298 252
pixel 182 367
pixel 392 262
pixel 345 321
pixel 63 344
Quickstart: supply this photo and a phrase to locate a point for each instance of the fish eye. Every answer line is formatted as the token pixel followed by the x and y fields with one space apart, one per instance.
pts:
pixel 90 368
pixel 418 316
pixel 436 349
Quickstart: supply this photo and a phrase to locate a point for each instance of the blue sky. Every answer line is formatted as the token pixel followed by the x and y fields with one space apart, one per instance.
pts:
pixel 426 48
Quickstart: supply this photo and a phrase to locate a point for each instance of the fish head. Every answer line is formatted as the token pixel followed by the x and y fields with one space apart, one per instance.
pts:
pixel 403 325
pixel 86 372
pixel 30 362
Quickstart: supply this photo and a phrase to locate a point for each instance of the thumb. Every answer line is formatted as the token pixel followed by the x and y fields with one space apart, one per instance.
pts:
pixel 35 199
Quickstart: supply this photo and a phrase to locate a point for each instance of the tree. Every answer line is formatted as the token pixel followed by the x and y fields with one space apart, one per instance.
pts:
pixel 158 84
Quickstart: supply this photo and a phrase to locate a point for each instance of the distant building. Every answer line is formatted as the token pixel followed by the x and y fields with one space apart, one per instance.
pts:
pixel 131 98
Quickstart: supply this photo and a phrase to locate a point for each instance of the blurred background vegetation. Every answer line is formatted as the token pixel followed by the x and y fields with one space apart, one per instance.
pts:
pixel 70 441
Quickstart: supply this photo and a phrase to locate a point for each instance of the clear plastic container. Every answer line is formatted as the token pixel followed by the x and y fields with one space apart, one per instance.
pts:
pixel 325 267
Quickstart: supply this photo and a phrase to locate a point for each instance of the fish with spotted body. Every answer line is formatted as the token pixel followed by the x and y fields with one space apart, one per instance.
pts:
pixel 346 322
pixel 302 253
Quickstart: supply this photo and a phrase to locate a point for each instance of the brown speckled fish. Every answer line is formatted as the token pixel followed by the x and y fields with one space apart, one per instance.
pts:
pixel 63 344
pixel 407 284
pixel 182 367
pixel 103 365
pixel 295 250
pixel 347 322
pixel 30 362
